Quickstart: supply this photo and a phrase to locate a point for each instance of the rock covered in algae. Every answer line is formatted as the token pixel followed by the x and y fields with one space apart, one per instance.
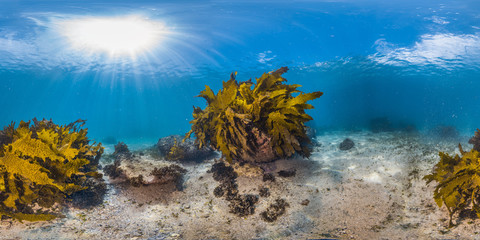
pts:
pixel 173 148
pixel 254 122
pixel 276 209
pixel 42 164
pixel 139 170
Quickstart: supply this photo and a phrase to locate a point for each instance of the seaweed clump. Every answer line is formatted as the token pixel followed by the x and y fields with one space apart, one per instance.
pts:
pixel 254 122
pixel 275 210
pixel 241 205
pixel 44 164
pixel 458 179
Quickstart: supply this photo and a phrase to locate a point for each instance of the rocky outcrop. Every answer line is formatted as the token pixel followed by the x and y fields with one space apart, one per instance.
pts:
pixel 173 148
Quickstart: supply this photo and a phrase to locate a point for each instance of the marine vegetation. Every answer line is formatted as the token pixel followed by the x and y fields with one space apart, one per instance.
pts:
pixel 42 165
pixel 254 122
pixel 458 179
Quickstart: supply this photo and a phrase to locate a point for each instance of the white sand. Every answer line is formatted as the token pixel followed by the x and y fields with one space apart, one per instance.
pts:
pixel 373 191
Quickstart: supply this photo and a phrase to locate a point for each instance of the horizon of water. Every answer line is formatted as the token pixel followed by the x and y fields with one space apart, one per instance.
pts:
pixel 412 62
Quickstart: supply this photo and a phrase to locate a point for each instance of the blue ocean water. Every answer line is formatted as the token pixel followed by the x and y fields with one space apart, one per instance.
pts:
pixel 414 62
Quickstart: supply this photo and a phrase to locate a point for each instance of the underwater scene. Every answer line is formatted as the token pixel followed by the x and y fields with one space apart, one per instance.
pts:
pixel 216 119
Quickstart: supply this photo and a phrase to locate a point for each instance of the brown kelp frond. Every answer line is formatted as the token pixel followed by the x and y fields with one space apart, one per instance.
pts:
pixel 255 122
pixel 458 181
pixel 41 164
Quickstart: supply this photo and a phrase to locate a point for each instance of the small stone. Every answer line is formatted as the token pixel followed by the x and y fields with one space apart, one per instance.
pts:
pixel 268 177
pixel 305 202
pixel 347 144
pixel 287 173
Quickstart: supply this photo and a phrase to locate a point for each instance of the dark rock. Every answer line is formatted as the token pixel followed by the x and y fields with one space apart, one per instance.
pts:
pixel 287 173
pixel 347 144
pixel 137 181
pixel 227 189
pixel 218 191
pixel 305 202
pixel 381 124
pixel 264 192
pixel 92 195
pixel 121 150
pixel 183 150
pixel 243 205
pixel 274 210
pixel 113 171
pixel 222 173
pixel 268 177
pixel 133 170
pixel 169 174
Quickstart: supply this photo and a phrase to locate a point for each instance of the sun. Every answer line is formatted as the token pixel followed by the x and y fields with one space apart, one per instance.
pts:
pixel 115 36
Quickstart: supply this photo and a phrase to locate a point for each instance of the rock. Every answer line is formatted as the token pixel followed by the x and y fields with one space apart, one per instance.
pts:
pixel 243 205
pixel 139 170
pixel 122 151
pixel 222 172
pixel 274 210
pixel 264 192
pixel 287 173
pixel 247 169
pixel 173 148
pixel 92 195
pixel 347 144
pixel 268 177
pixel 263 152
pixel 305 202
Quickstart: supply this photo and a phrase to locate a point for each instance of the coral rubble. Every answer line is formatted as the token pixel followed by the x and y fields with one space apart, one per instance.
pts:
pixel 254 122
pixel 42 164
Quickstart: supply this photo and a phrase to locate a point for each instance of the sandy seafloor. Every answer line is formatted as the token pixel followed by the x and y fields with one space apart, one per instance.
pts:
pixel 373 191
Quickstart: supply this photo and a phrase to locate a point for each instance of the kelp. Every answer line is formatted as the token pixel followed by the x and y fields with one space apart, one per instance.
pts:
pixel 256 122
pixel 41 164
pixel 458 179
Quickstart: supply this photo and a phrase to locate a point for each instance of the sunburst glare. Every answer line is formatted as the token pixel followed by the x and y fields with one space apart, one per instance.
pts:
pixel 116 36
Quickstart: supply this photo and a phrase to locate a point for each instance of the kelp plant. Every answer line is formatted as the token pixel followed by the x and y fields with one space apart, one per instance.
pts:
pixel 41 164
pixel 458 179
pixel 258 124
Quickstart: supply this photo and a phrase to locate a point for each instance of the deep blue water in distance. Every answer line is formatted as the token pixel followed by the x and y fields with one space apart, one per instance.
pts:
pixel 415 62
